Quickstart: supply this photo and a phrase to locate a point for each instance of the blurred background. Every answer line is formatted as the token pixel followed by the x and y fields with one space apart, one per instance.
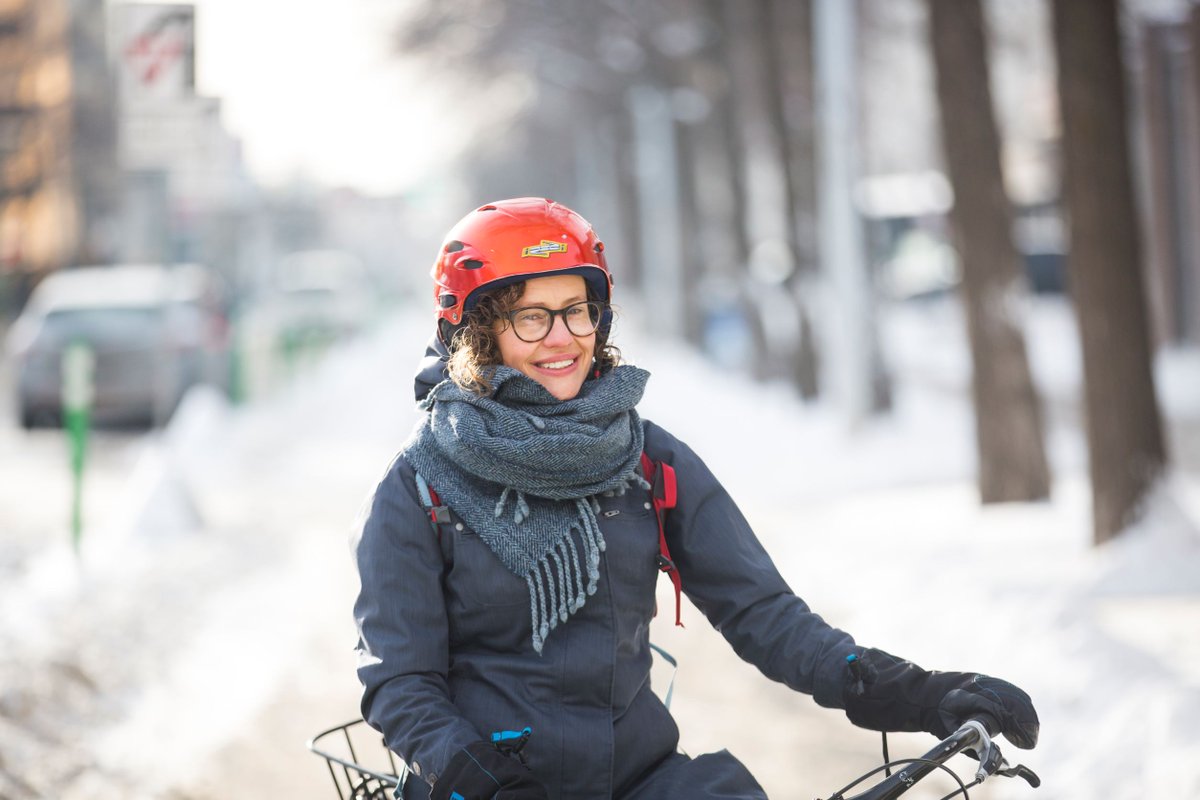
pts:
pixel 933 264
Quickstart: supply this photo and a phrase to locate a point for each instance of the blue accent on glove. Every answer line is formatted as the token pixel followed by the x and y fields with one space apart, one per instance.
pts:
pixel 485 770
pixel 503 736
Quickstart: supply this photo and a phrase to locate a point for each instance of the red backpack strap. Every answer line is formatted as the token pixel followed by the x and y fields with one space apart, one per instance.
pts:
pixel 438 513
pixel 661 477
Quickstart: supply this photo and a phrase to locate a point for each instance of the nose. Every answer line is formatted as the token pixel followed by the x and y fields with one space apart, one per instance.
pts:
pixel 558 335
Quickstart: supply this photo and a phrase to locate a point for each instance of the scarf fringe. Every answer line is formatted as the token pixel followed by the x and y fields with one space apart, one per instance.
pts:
pixel 561 600
pixel 556 586
pixel 573 558
pixel 521 512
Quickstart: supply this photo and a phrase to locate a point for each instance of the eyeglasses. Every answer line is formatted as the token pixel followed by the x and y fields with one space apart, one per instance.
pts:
pixel 533 323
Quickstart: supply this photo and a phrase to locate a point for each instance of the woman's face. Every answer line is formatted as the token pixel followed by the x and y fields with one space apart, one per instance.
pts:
pixel 561 361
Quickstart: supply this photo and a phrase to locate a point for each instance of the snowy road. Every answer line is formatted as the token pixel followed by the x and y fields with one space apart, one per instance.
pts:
pixel 205 633
pixel 211 599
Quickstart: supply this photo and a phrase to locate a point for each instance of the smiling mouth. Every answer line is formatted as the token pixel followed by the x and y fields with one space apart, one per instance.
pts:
pixel 563 363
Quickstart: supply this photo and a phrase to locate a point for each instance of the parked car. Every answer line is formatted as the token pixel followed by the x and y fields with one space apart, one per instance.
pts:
pixel 155 331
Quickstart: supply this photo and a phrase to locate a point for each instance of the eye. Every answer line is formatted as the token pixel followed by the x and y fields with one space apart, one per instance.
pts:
pixel 531 316
pixel 577 312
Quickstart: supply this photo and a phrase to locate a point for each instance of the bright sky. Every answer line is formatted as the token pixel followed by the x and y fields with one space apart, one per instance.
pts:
pixel 311 89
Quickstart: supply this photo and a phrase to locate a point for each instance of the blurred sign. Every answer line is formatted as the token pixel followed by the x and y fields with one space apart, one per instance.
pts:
pixel 155 46
pixel 78 370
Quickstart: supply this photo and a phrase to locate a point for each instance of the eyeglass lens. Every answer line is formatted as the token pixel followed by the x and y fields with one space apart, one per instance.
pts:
pixel 534 323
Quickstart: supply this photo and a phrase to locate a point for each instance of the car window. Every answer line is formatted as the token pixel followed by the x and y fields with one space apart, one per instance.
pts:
pixel 101 325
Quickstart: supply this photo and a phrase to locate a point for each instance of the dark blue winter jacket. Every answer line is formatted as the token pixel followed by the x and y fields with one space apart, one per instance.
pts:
pixel 445 654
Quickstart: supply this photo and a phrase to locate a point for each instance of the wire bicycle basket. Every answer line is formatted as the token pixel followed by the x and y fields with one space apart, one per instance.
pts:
pixel 360 764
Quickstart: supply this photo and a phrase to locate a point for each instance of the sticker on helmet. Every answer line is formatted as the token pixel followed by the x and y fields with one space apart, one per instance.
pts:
pixel 543 249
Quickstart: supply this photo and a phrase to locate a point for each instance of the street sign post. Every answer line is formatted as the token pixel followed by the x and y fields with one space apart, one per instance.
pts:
pixel 78 368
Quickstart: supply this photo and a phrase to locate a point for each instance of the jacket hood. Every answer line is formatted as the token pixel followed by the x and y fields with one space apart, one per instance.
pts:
pixel 432 369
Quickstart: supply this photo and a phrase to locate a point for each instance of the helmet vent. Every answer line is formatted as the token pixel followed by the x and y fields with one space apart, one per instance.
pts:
pixel 472 263
pixel 454 247
pixel 447 301
pixel 488 208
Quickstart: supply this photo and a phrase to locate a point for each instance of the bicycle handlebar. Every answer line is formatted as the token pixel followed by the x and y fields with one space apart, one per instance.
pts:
pixel 974 734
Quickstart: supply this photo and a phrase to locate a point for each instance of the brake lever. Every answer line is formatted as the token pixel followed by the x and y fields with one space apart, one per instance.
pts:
pixel 990 758
pixel 991 761
pixel 1021 771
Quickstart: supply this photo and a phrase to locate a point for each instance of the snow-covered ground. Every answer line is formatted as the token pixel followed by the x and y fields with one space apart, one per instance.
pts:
pixel 881 531
pixel 205 632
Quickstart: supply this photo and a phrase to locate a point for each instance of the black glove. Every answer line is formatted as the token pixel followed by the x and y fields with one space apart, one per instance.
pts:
pixel 885 693
pixel 483 771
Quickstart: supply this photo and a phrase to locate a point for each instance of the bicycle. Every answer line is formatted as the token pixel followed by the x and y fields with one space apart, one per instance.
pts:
pixel 356 778
pixel 973 735
pixel 384 778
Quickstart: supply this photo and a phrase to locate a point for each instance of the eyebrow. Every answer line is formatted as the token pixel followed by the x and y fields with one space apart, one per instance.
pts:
pixel 542 304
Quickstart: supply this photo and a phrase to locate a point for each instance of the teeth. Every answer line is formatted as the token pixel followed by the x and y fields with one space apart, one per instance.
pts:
pixel 557 364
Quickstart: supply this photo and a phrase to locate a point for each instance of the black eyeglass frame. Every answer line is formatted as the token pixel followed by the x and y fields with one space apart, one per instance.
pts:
pixel 599 307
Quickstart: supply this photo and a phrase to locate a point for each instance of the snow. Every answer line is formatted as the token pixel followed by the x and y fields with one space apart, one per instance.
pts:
pixel 1106 640
pixel 223 587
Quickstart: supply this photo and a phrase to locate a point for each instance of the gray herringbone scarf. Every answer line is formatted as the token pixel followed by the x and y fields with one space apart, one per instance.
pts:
pixel 522 468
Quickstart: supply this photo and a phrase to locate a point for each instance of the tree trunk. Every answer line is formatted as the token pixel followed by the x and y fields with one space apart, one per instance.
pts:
pixel 786 30
pixel 1008 427
pixel 1124 432
pixel 735 39
pixel 690 233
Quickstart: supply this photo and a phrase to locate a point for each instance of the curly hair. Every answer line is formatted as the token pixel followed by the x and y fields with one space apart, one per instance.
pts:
pixel 475 349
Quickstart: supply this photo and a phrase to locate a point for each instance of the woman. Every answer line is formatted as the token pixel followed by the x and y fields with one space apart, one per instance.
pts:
pixel 504 650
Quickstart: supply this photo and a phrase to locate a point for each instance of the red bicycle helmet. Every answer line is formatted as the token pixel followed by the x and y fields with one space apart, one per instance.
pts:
pixel 510 241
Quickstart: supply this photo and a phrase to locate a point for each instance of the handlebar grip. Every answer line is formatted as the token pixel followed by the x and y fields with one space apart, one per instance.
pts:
pixel 989 723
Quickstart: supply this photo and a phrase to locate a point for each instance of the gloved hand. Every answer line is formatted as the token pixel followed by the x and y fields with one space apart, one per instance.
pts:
pixel 483 771
pixel 886 693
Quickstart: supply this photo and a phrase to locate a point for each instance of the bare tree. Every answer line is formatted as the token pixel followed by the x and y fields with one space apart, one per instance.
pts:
pixel 643 110
pixel 1008 426
pixel 739 54
pixel 1124 432
pixel 786 36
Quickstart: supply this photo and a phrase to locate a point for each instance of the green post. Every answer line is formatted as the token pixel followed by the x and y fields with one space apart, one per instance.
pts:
pixel 78 367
